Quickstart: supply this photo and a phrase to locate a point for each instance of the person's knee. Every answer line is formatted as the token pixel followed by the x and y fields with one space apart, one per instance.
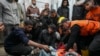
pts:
pixel 91 49
pixel 28 51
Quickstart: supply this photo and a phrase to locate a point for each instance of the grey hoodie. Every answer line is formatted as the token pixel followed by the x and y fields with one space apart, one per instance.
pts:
pixel 9 13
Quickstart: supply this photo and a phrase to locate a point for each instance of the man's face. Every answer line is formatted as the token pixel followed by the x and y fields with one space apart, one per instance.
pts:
pixel 28 28
pixel 65 28
pixel 45 13
pixel 65 25
pixel 46 6
pixel 53 14
pixel 88 5
pixel 34 2
pixel 50 30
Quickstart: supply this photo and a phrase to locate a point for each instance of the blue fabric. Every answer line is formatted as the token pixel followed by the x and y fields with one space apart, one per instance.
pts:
pixel 44 53
pixel 16 37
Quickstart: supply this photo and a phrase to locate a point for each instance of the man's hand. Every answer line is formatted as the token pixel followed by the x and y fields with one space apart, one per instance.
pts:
pixel 1 26
pixel 32 43
pixel 45 47
pixel 71 50
pixel 31 15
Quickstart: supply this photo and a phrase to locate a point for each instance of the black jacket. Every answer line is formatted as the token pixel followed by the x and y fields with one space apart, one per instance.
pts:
pixel 47 39
pixel 54 20
pixel 63 11
pixel 45 21
pixel 78 13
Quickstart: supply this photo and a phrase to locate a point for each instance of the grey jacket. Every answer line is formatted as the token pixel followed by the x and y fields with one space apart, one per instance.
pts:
pixel 6 13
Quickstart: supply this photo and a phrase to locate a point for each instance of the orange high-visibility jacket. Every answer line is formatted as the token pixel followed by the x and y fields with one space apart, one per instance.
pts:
pixel 94 14
pixel 88 27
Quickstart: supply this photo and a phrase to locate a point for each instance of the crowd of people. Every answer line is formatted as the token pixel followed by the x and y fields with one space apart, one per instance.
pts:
pixel 42 33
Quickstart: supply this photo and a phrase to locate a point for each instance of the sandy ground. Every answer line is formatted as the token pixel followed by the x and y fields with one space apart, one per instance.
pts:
pixel 2 51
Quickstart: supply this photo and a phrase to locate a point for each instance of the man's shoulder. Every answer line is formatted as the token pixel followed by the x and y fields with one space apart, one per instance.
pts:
pixel 30 6
pixel 98 8
pixel 18 30
pixel 3 1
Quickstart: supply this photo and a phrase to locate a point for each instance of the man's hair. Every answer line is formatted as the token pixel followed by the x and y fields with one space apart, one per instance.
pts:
pixel 28 22
pixel 52 26
pixel 97 2
pixel 53 10
pixel 12 1
pixel 16 0
pixel 46 3
pixel 63 2
pixel 33 0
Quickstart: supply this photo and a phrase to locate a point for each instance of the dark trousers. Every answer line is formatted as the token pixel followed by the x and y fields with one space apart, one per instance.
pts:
pixel 19 50
pixel 83 42
pixel 94 48
pixel 9 28
pixel 6 32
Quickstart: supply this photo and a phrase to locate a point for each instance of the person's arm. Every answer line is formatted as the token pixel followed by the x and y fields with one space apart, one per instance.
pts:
pixel 38 12
pixel 21 13
pixel 40 37
pixel 25 40
pixel 75 31
pixel 1 26
pixel 89 16
pixel 32 43
pixel 1 12
pixel 59 11
pixel 28 12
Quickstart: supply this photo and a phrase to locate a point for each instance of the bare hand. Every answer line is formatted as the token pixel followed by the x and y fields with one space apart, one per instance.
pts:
pixel 1 27
pixel 45 47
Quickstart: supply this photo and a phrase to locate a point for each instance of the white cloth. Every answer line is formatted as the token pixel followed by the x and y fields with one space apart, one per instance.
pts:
pixel 71 4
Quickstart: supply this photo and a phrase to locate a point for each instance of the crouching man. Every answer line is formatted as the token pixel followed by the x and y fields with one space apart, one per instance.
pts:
pixel 81 32
pixel 17 42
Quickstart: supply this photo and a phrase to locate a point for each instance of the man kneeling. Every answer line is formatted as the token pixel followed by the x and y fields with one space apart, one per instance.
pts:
pixel 17 43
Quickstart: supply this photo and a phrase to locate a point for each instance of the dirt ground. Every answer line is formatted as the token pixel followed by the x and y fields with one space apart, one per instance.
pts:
pixel 2 51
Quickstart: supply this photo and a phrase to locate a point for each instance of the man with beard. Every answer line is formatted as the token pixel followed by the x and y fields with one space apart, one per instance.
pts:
pixel 17 42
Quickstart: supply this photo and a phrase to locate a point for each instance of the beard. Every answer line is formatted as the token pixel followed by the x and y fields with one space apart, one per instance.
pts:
pixel 34 4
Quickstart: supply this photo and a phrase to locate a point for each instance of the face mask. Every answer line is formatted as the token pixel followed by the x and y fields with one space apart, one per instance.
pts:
pixel 34 6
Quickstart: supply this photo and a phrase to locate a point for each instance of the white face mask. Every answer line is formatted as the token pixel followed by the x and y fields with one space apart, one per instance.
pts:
pixel 34 6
